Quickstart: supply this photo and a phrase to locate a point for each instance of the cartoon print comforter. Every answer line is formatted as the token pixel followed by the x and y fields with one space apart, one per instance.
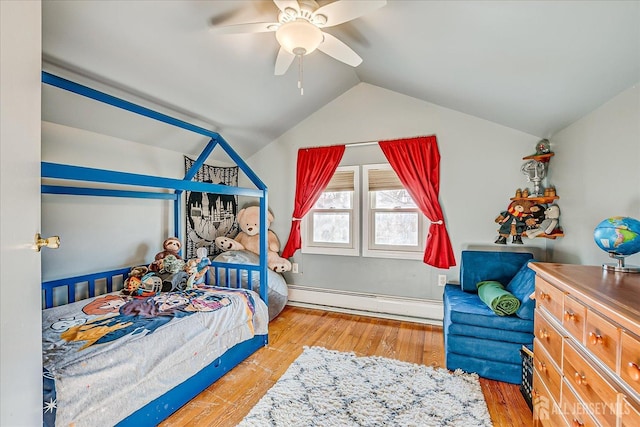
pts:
pixel 112 354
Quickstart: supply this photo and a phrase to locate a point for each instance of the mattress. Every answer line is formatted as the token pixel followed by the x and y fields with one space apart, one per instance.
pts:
pixel 110 355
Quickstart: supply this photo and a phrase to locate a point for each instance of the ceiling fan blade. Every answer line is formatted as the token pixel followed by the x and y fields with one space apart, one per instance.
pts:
pixel 255 27
pixel 283 62
pixel 284 4
pixel 340 51
pixel 343 11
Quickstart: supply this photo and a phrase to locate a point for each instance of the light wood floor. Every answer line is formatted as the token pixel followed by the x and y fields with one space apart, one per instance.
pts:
pixel 226 402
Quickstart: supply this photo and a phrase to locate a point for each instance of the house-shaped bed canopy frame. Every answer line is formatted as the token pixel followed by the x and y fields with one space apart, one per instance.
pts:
pixel 77 173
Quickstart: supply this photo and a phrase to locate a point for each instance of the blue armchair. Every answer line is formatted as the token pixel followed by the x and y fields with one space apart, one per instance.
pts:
pixel 475 338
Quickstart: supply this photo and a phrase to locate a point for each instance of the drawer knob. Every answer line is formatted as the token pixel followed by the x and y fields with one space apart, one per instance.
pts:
pixel 580 379
pixel 577 423
pixel 596 339
pixel 569 316
pixel 634 371
pixel 544 296
pixel 542 367
pixel 543 334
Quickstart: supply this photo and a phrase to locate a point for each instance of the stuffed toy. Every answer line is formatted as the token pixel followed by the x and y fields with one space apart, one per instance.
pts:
pixel 249 239
pixel 536 216
pixel 133 281
pixel 170 246
pixel 197 268
pixel 171 264
pixel 549 224
pixel 512 221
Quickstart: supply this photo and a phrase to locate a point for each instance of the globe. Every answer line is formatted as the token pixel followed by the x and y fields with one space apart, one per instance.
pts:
pixel 620 237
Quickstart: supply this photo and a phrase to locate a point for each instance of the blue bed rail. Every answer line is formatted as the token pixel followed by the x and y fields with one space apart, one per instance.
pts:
pixel 75 285
pixel 72 289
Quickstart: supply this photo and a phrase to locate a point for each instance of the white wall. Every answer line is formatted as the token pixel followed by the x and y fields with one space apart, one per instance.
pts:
pixel 480 171
pixel 20 333
pixel 597 170
pixel 102 233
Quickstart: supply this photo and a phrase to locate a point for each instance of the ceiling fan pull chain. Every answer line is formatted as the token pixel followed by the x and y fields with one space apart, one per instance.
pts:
pixel 300 75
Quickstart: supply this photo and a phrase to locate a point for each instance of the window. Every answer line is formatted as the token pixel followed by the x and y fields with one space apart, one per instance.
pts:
pixel 393 225
pixel 331 226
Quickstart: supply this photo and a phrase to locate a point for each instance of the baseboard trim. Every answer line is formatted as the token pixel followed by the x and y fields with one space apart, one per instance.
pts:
pixel 375 305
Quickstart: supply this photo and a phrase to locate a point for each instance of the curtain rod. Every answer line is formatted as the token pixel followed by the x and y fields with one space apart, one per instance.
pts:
pixel 360 144
pixel 363 143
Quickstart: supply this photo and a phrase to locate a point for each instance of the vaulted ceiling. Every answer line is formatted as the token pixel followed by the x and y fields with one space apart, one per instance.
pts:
pixel 535 66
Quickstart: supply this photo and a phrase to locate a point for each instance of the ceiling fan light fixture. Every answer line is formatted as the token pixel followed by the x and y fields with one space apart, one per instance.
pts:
pixel 299 37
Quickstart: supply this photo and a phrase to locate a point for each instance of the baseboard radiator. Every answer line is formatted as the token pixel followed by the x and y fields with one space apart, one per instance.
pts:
pixel 375 305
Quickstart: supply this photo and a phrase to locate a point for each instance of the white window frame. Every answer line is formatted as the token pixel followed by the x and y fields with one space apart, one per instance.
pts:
pixel 352 249
pixel 379 251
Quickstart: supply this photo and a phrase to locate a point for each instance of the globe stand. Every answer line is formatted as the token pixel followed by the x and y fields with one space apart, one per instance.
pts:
pixel 620 267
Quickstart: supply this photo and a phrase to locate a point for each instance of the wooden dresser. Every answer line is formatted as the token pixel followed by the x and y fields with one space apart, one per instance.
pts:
pixel 586 347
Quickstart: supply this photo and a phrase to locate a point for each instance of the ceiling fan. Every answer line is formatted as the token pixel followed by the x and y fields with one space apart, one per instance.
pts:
pixel 299 29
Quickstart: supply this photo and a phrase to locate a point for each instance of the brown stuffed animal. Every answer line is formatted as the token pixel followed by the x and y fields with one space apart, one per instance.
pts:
pixel 171 246
pixel 249 239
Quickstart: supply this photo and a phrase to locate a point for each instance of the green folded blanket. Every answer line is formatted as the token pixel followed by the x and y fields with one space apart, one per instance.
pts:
pixel 501 301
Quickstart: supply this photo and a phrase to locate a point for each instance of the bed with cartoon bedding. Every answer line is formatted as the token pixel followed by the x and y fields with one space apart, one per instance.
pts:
pixel 113 357
pixel 107 356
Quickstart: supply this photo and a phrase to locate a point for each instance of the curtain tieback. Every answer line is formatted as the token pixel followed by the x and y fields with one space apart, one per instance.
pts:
pixel 439 222
pixel 296 219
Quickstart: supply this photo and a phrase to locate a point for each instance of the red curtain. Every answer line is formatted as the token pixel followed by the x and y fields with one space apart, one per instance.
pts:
pixel 315 168
pixel 416 161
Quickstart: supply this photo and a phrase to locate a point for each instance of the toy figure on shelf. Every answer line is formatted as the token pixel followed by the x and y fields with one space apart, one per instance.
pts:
pixel 549 224
pixel 536 216
pixel 543 147
pixel 512 221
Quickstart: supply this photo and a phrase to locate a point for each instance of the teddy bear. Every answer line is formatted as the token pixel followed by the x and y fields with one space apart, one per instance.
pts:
pixel 549 224
pixel 249 239
pixel 170 246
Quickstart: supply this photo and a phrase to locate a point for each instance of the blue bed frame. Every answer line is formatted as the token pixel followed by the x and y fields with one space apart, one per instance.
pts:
pixel 165 405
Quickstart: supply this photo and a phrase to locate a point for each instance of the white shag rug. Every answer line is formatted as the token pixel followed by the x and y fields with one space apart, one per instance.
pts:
pixel 330 388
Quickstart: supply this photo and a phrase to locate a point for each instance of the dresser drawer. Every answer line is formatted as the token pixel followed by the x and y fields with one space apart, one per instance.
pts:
pixel 546 411
pixel 630 416
pixel 574 317
pixel 547 370
pixel 602 339
pixel 549 297
pixel 549 337
pixel 630 361
pixel 596 392
pixel 576 413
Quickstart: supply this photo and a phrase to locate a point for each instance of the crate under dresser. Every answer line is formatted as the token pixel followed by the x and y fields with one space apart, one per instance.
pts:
pixel 586 347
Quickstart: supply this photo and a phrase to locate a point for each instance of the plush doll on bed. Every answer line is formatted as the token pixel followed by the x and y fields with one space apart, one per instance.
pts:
pixel 170 246
pixel 133 281
pixel 249 239
pixel 197 268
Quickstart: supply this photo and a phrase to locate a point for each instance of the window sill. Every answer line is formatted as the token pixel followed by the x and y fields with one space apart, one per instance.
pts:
pixel 330 251
pixel 369 253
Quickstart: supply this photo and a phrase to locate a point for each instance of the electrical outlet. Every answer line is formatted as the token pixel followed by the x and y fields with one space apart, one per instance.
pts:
pixel 442 279
pixel 294 267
